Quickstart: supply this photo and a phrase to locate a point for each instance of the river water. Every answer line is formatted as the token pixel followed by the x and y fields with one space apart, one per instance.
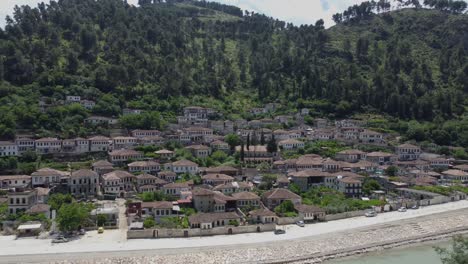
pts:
pixel 408 255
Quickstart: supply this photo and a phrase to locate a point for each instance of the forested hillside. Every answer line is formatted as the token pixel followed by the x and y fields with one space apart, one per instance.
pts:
pixel 407 64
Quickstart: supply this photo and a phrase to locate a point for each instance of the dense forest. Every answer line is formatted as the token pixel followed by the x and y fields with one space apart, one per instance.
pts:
pixel 407 64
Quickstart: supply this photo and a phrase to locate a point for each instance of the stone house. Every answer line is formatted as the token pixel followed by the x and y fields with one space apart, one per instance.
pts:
pixel 217 179
pixel 48 145
pixel 121 156
pixel 147 166
pixel 211 220
pixel 275 197
pixel 99 143
pixel 350 155
pixel 199 151
pixel 182 166
pixel 408 152
pixel 246 199
pixel 8 148
pixel 84 183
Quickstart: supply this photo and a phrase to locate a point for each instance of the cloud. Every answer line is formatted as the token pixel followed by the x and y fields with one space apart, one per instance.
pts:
pixel 295 11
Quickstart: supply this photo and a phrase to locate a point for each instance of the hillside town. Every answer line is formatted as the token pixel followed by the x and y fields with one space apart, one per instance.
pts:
pixel 205 175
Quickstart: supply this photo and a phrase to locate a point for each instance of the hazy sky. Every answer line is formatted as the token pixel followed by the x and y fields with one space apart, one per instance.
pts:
pixel 296 11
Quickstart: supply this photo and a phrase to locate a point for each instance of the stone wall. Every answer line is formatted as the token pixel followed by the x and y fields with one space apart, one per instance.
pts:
pixel 289 220
pixel 332 217
pixel 170 233
pixel 133 234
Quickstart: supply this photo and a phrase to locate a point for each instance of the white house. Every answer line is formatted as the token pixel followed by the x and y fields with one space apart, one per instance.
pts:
pixel 8 148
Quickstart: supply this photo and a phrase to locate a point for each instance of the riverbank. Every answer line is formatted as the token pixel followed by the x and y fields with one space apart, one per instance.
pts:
pixel 316 242
pixel 372 248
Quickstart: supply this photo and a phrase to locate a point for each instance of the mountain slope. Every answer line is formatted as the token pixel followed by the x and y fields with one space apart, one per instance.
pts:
pixel 410 64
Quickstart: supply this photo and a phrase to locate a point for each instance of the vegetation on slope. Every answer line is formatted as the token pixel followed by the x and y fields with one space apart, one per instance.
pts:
pixel 407 64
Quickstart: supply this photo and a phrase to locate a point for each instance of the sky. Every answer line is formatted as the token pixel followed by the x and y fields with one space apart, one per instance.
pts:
pixel 295 11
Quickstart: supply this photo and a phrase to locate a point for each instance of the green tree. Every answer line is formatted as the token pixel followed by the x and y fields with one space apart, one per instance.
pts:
pixel 370 185
pixel 149 222
pixel 286 208
pixel 72 216
pixel 57 200
pixel 457 253
pixel 101 220
pixel 233 140
pixel 391 171
pixel 272 147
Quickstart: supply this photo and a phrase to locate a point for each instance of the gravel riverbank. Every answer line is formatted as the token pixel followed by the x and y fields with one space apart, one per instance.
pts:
pixel 307 249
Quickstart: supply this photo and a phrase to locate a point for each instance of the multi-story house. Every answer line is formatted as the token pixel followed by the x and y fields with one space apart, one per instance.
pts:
pixel 290 144
pixel 164 154
pixel 219 145
pixel 174 189
pixel 77 145
pixel 381 158
pixel 307 179
pixel 151 167
pixel 84 183
pixel 102 167
pixel 350 155
pixel 216 179
pixel 233 187
pixel 408 152
pixel 199 151
pixel 144 181
pixel 124 142
pixel 131 111
pixel 8 148
pixel 25 144
pixel 47 176
pixel 127 180
pixel 275 197
pixel 199 134
pixel 139 133
pixel 72 99
pixel 246 199
pixel 256 154
pixel 371 137
pixel 350 186
pixel 197 112
pixel 113 184
pixel 158 210
pixel 88 104
pixel 15 181
pixel 99 144
pixel 182 166
pixel 48 145
pixel 101 120
pixel 321 134
pixel 455 176
pixel 21 200
pixel 121 156
pixel 168 176
pixel 151 141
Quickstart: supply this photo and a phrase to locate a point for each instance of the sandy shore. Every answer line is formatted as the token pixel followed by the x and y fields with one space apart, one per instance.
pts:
pixel 311 244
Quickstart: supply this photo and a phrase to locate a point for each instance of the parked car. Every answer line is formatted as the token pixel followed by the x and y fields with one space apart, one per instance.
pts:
pixel 402 209
pixel 82 232
pixel 100 230
pixel 415 207
pixel 60 239
pixel 300 223
pixel 371 213
pixel 280 231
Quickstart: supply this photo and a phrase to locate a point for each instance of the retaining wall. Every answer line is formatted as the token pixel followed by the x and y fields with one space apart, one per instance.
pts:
pixel 171 233
pixel 332 217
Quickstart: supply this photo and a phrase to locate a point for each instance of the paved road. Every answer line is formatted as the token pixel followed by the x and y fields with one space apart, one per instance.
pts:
pixel 93 247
